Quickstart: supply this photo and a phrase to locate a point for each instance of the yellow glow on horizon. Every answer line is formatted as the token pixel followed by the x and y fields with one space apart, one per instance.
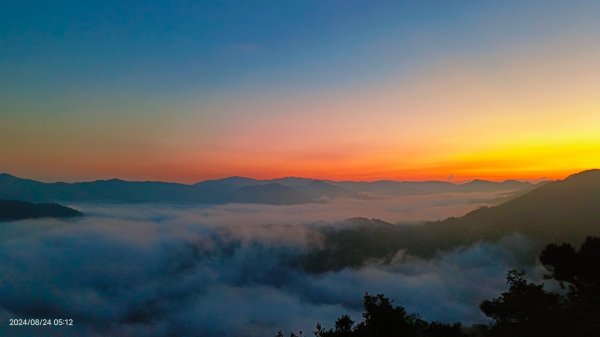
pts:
pixel 531 112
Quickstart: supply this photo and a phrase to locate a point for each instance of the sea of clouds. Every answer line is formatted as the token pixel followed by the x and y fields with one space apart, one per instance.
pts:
pixel 228 270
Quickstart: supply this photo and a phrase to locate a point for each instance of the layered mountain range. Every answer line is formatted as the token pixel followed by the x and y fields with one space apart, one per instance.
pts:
pixel 282 191
pixel 561 211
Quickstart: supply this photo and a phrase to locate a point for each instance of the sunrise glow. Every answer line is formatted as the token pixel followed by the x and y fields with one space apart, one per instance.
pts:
pixel 254 104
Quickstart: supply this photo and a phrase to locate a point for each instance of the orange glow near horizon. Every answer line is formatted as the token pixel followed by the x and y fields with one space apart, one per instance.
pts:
pixel 524 114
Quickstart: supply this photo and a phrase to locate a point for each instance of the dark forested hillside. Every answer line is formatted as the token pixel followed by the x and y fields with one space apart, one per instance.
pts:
pixel 566 210
pixel 17 210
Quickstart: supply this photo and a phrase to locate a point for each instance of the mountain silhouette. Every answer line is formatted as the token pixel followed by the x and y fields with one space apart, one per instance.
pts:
pixel 271 193
pixel 17 210
pixel 288 190
pixel 401 188
pixel 227 185
pixel 120 191
pixel 561 211
pixel 567 210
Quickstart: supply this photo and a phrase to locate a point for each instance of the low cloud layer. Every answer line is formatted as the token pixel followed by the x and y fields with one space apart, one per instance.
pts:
pixel 214 271
pixel 393 209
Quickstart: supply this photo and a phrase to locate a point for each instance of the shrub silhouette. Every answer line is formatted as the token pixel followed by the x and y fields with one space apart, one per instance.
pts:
pixel 382 319
pixel 526 309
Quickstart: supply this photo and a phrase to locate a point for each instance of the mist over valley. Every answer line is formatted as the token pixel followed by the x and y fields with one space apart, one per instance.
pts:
pixel 250 269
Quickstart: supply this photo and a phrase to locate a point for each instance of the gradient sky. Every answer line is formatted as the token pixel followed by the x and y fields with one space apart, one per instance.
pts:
pixel 190 90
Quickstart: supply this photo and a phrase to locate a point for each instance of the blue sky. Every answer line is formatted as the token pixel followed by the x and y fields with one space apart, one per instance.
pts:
pixel 193 47
pixel 101 72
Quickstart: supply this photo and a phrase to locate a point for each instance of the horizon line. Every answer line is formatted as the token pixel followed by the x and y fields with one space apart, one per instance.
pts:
pixel 457 181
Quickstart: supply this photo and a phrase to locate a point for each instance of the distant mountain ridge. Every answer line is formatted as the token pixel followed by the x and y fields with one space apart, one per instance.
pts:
pixel 560 211
pixel 399 188
pixel 567 209
pixel 18 210
pixel 281 191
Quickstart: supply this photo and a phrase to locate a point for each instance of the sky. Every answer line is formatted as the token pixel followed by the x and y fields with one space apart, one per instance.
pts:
pixel 346 90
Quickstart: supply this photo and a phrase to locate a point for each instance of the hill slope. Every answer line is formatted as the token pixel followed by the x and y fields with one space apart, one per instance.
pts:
pixel 18 210
pixel 290 190
pixel 272 193
pixel 563 210
pixel 560 211
pixel 120 191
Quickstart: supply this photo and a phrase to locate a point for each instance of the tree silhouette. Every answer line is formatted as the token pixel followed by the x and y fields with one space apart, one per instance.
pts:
pixel 579 271
pixel 526 309
pixel 382 319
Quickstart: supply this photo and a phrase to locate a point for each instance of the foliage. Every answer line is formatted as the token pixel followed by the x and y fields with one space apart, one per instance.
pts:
pixel 382 319
pixel 526 309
